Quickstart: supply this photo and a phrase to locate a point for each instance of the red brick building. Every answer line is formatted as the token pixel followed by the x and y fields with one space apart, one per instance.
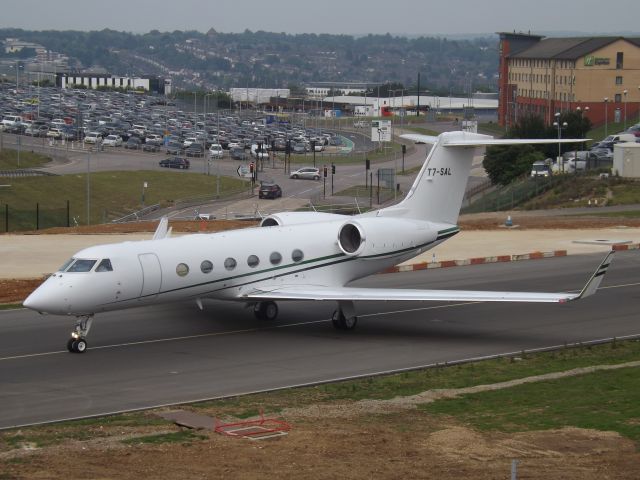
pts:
pixel 599 76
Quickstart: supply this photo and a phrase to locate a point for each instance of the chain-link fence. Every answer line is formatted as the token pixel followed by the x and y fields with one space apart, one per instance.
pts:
pixel 513 195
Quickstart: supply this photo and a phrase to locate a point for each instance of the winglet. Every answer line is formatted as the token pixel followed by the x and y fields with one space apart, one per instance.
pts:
pixel 595 280
pixel 163 229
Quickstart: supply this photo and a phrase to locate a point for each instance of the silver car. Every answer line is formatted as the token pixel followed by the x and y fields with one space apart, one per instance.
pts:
pixel 310 173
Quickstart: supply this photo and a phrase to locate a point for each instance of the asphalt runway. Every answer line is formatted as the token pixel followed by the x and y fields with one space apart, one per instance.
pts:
pixel 170 354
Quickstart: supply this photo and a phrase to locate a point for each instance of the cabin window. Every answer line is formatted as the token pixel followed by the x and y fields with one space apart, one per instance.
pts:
pixel 182 269
pixel 81 265
pixel 104 266
pixel 275 258
pixel 230 263
pixel 297 255
pixel 206 266
pixel 66 264
pixel 253 261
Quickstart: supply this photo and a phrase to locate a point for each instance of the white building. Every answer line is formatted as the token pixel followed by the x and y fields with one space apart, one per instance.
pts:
pixel 258 95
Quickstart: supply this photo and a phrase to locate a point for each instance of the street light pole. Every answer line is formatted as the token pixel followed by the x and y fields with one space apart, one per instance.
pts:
pixel 560 127
pixel 606 126
pixel 88 187
pixel 624 93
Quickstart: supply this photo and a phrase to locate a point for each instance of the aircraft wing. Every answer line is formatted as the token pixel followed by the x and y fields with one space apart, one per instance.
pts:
pixel 319 292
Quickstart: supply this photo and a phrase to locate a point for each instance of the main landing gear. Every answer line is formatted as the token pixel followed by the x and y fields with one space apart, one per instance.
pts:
pixel 345 317
pixel 78 342
pixel 266 310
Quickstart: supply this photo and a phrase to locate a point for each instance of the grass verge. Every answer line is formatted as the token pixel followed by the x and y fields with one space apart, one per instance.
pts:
pixel 111 194
pixel 185 436
pixel 9 159
pixel 605 400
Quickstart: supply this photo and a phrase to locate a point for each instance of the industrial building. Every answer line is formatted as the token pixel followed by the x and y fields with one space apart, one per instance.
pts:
pixel 598 76
pixel 156 85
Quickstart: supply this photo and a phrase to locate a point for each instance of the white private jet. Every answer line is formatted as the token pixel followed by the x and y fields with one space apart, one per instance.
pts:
pixel 290 256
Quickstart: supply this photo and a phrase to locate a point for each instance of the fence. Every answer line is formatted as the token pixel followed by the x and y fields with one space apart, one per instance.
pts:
pixel 15 219
pixel 513 195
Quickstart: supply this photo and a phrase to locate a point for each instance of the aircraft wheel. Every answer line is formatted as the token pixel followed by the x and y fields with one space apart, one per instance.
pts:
pixel 266 311
pixel 269 311
pixel 335 319
pixel 80 345
pixel 349 323
pixel 70 344
pixel 257 311
pixel 340 322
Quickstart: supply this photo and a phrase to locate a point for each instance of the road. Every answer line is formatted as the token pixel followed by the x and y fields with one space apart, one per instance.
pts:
pixel 169 354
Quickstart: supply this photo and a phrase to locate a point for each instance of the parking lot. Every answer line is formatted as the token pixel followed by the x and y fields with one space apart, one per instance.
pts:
pixel 137 122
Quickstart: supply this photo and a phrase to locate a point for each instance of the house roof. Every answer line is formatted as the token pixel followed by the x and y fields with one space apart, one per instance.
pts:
pixel 570 48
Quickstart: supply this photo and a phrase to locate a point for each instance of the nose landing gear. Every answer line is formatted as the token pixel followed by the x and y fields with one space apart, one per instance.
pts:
pixel 78 343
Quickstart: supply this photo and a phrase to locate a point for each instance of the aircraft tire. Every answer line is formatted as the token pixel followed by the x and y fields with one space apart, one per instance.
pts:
pixel 340 322
pixel 70 344
pixel 349 323
pixel 269 311
pixel 80 345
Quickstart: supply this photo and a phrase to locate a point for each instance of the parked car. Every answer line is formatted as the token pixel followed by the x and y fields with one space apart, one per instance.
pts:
pixel 93 138
pixel 216 151
pixel 310 173
pixel 55 133
pixel 175 162
pixel 299 148
pixel 37 130
pixel 150 147
pixel 133 143
pixel 112 141
pixel 194 150
pixel 269 190
pixel 153 139
pixel 174 148
pixel 238 154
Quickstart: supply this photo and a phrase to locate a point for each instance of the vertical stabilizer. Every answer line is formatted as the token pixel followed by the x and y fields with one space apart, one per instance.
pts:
pixel 437 192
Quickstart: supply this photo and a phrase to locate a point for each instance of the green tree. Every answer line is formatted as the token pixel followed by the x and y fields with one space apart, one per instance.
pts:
pixel 504 164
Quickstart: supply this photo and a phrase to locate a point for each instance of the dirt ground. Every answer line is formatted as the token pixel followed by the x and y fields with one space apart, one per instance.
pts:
pixel 331 441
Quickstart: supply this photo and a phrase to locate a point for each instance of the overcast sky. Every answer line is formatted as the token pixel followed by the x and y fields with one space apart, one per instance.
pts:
pixel 411 17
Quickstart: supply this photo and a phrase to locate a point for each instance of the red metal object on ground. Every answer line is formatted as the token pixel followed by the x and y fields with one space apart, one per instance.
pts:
pixel 260 428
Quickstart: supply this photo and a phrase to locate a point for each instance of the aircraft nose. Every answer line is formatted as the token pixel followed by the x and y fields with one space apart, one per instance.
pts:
pixel 36 301
pixel 43 300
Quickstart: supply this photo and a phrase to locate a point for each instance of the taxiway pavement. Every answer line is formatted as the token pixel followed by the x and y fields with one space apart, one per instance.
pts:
pixel 162 355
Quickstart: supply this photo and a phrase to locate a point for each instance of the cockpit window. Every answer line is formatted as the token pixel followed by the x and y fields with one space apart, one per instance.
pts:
pixel 81 265
pixel 104 266
pixel 66 264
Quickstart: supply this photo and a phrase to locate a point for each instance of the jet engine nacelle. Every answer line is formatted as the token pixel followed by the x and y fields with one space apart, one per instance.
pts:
pixel 378 235
pixel 295 218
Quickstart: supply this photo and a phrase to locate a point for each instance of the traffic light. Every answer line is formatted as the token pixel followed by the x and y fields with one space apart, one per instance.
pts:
pixel 368 164
pixel 251 168
pixel 333 169
pixel 404 149
pixel 324 169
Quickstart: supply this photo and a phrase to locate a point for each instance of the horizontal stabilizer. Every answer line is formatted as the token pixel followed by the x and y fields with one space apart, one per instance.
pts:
pixel 464 139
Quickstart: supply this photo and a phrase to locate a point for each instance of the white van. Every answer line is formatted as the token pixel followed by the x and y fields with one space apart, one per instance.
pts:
pixel 540 168
pixel 216 151
pixel 11 120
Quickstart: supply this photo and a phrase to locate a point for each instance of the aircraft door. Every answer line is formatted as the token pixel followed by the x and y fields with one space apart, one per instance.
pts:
pixel 151 274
